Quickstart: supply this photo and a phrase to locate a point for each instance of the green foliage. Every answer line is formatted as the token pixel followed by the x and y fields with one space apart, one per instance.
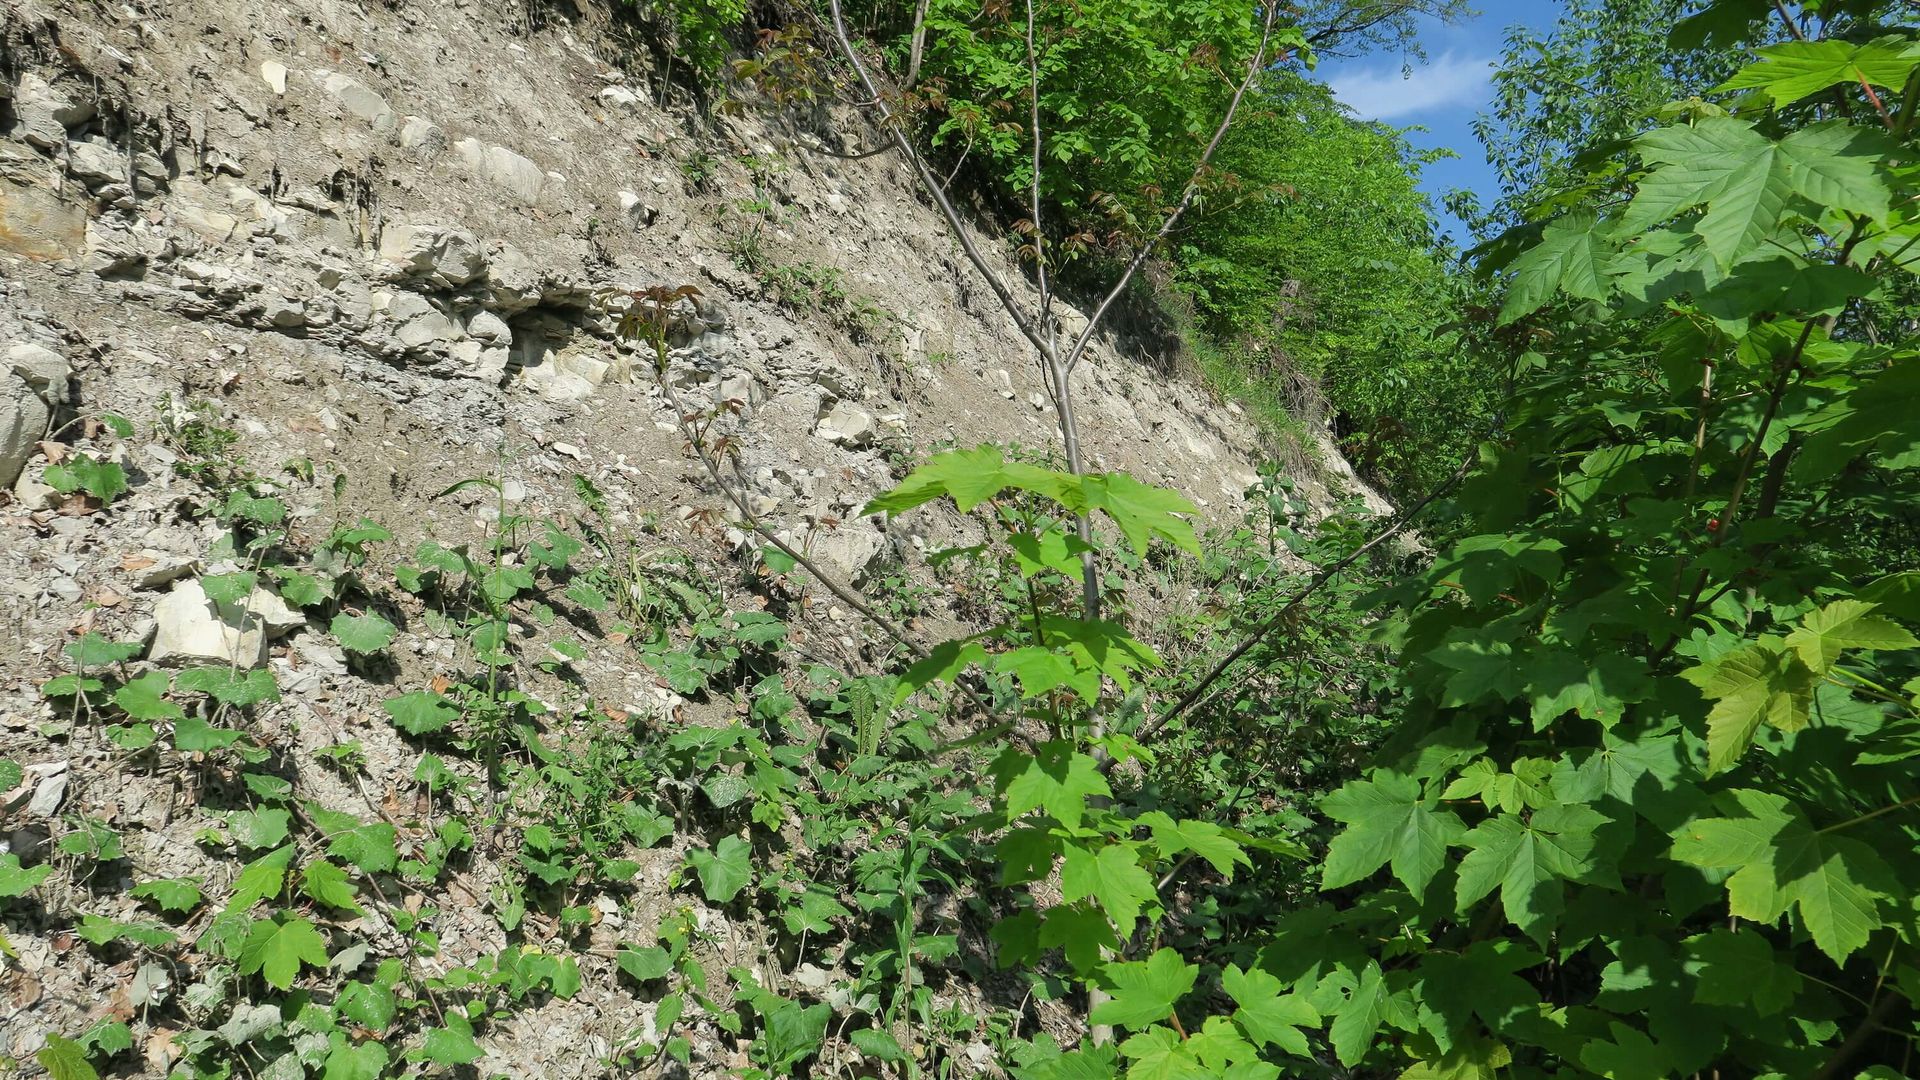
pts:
pixel 1646 702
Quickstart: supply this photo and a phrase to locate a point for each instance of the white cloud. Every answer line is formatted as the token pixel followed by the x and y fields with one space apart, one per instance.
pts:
pixel 1387 92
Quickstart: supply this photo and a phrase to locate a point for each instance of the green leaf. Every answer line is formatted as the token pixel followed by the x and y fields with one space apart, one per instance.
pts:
pixel 1388 821
pixel 1780 861
pixel 263 828
pixel 725 870
pixel 1739 967
pixel 230 590
pixel 16 880
pixel 260 879
pixel 347 1060
pixel 1142 511
pixel 65 1059
pixel 1203 838
pixel 371 846
pixel 229 687
pixel 1570 257
pixel 876 1043
pixel 372 1005
pixel 1796 69
pixel 1629 1055
pixel 144 698
pixel 277 947
pixel 1269 1017
pixel 1145 992
pixel 1529 861
pixel 421 712
pixel 327 883
pixel 645 964
pixel 192 735
pixel 176 895
pixel 969 477
pixel 452 1045
pixel 1760 682
pixel 362 634
pixel 1745 179
pixel 1056 778
pixel 98 931
pixel 95 651
pixel 101 479
pixel 1112 876
pixel 1368 1005
pixel 1159 1054
pixel 1824 635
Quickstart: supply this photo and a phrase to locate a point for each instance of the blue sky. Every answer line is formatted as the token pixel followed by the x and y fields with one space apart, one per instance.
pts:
pixel 1442 94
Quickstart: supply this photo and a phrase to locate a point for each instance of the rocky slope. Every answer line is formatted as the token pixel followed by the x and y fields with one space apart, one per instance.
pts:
pixel 359 248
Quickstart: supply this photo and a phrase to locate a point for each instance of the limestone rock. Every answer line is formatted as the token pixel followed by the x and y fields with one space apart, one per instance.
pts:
pixel 854 551
pixel 359 100
pixel 274 74
pixel 43 111
pixel 188 627
pixel 502 166
pixel 96 162
pixel 444 255
pixel 847 425
pixel 421 137
pixel 32 386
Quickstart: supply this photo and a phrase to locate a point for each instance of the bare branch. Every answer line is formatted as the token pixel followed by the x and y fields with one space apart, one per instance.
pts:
pixel 1319 580
pixel 1028 326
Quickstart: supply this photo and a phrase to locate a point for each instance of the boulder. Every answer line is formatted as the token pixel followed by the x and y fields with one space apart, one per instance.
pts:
pixel 421 137
pixel 444 255
pixel 503 167
pixel 359 100
pixel 44 111
pixel 33 384
pixel 96 162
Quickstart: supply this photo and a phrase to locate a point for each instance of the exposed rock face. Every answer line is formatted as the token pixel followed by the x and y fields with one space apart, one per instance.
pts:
pixel 387 243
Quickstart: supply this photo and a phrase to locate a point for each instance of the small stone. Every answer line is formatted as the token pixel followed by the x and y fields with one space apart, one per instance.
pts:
pixel 190 627
pixel 502 166
pixel 34 495
pixel 274 74
pixel 33 382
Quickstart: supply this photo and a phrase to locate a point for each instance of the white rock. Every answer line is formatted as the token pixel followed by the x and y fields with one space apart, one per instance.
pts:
pixel 743 387
pixel 32 385
pixel 275 614
pixel 95 163
pixel 359 100
pixel 445 255
pixel 491 328
pixel 847 425
pixel 502 166
pixel 190 627
pixel 274 74
pixel 421 137
pixel 33 494
pixel 852 550
pixel 284 313
pixel 45 111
